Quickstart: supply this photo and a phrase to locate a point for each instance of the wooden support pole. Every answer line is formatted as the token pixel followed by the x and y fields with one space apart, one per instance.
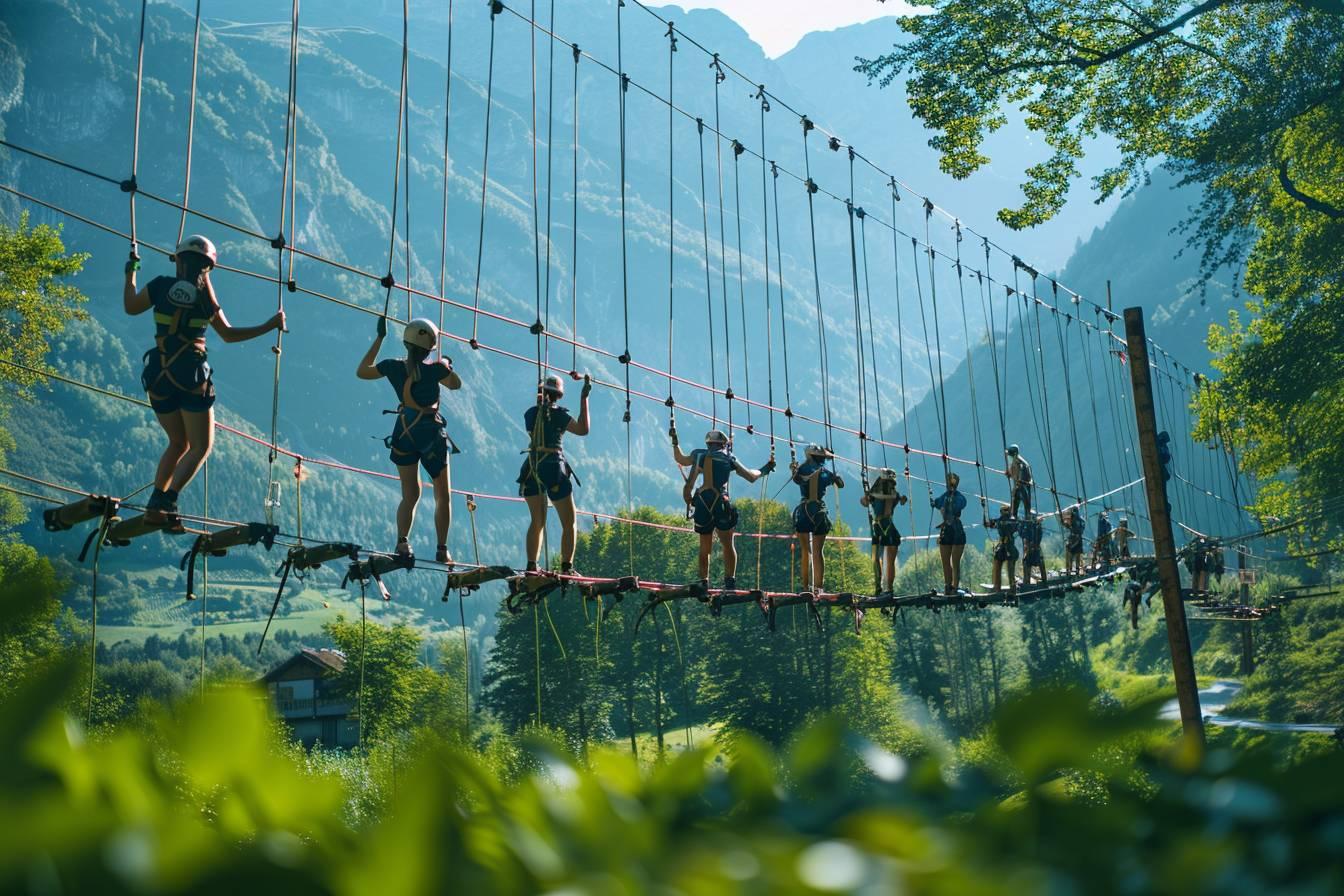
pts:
pixel 1164 544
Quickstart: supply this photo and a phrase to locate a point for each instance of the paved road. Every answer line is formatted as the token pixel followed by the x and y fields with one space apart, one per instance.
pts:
pixel 1216 696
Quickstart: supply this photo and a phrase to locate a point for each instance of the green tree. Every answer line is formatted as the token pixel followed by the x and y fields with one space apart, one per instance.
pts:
pixel 1244 98
pixel 400 692
pixel 35 301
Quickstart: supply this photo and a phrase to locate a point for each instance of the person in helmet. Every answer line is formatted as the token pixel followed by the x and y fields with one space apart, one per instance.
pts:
pixel 1019 477
pixel 1102 551
pixel 811 522
pixel 176 377
pixel 706 491
pixel 419 437
pixel 1005 551
pixel 951 534
pixel 1032 531
pixel 882 499
pixel 1075 526
pixel 545 475
pixel 1121 537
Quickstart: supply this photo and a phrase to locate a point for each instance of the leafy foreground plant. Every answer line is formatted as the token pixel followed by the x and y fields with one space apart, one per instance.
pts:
pixel 207 803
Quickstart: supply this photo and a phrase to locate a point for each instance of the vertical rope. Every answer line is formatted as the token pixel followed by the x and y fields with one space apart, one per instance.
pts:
pixel 574 233
pixel 769 312
pixel 970 372
pixel 987 307
pixel 783 319
pixel 130 186
pixel 811 187
pixel 537 327
pixel 937 330
pixel 900 353
pixel 447 119
pixel 550 156
pixel 205 590
pixel 286 172
pixel 738 149
pixel 719 77
pixel 671 220
pixel 709 290
pixel 191 123
pixel 496 8
pixel 872 337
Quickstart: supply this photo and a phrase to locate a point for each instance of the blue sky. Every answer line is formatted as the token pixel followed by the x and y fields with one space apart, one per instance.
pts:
pixel 777 25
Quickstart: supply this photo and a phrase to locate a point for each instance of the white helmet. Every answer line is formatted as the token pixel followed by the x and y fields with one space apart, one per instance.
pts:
pixel 198 244
pixel 716 436
pixel 421 333
pixel 552 384
pixel 815 450
pixel 887 473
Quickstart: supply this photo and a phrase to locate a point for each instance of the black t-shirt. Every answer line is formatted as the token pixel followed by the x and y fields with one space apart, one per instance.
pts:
pixel 552 427
pixel 424 391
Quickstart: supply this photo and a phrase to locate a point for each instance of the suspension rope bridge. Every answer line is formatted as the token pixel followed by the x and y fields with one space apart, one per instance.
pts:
pixel 215 536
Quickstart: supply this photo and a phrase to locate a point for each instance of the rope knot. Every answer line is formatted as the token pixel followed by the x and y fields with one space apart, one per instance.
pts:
pixel 388 281
pixel 807 125
pixel 291 285
pixel 496 7
pixel 624 357
pixel 860 213
pixel 475 345
pixel 537 327
pixel 788 412
pixel 669 402
pixel 833 143
pixel 738 148
pixel 278 241
pixel 129 185
pixel 811 185
pixel 574 48
pixel 728 394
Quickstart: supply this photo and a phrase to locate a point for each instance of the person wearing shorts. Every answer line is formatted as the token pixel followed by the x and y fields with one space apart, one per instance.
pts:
pixel 951 532
pixel 883 499
pixel 706 493
pixel 419 436
pixel 1005 551
pixel 546 475
pixel 177 378
pixel 811 521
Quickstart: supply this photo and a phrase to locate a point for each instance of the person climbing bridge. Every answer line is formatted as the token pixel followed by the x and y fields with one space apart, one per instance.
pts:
pixel 1019 478
pixel 706 491
pixel 1075 525
pixel 177 377
pixel 883 499
pixel 1103 553
pixel 1032 531
pixel 1005 551
pixel 951 534
pixel 419 436
pixel 546 475
pixel 811 522
pixel 1121 537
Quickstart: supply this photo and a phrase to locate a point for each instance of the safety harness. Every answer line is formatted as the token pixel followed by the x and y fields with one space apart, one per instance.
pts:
pixel 538 449
pixel 180 333
pixel 422 412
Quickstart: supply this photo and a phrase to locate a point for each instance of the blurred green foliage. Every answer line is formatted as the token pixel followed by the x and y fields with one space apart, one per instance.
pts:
pixel 204 799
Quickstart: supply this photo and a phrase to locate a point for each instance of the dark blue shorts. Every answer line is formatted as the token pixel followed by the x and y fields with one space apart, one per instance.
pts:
pixel 425 443
pixel 713 512
pixel 1074 544
pixel 953 533
pixel 187 386
pixel 546 474
pixel 811 518
pixel 1031 556
pixel 885 534
pixel 1005 550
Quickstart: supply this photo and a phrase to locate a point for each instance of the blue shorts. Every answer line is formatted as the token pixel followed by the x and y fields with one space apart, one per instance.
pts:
pixel 1074 544
pixel 1005 550
pixel 953 533
pixel 885 534
pixel 712 511
pixel 545 474
pixel 811 518
pixel 1031 555
pixel 426 443
pixel 187 386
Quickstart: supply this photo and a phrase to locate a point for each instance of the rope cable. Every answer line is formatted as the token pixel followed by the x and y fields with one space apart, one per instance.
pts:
pixel 495 9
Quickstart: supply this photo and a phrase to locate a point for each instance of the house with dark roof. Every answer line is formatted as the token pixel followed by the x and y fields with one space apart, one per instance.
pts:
pixel 303 692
